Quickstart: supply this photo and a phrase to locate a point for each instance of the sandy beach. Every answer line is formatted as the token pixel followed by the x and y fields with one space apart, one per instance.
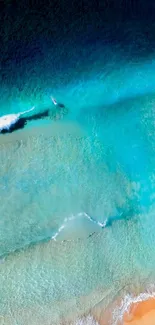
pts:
pixel 141 313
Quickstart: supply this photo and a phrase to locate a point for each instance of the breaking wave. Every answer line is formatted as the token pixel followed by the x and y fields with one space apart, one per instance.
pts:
pixel 126 303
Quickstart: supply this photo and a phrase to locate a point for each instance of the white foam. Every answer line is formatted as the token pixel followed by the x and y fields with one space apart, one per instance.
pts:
pixel 78 227
pixel 119 312
pixel 6 121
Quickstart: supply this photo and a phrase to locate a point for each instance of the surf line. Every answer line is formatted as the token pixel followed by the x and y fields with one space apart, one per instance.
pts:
pixel 126 303
pixel 81 214
pixel 107 223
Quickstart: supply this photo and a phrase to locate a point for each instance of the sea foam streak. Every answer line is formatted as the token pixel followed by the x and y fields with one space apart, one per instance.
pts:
pixel 126 303
pixel 80 215
pixel 77 220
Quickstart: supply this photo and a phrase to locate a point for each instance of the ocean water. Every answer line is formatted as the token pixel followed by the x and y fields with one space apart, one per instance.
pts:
pixel 77 183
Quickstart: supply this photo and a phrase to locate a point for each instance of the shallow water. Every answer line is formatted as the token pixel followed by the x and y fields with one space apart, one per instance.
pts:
pixel 64 280
pixel 80 165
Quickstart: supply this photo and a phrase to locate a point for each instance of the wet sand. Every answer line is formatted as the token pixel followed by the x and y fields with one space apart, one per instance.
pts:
pixel 142 313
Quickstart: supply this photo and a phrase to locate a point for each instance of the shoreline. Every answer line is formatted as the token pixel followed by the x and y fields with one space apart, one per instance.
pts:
pixel 94 308
pixel 131 309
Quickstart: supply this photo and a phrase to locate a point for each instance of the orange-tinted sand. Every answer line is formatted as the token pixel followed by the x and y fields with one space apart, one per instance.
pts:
pixel 142 313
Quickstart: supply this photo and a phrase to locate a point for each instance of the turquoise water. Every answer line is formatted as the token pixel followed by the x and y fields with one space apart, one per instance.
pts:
pixel 86 179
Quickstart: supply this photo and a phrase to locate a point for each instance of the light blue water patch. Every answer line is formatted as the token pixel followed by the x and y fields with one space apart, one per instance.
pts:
pixel 50 178
pixel 122 131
